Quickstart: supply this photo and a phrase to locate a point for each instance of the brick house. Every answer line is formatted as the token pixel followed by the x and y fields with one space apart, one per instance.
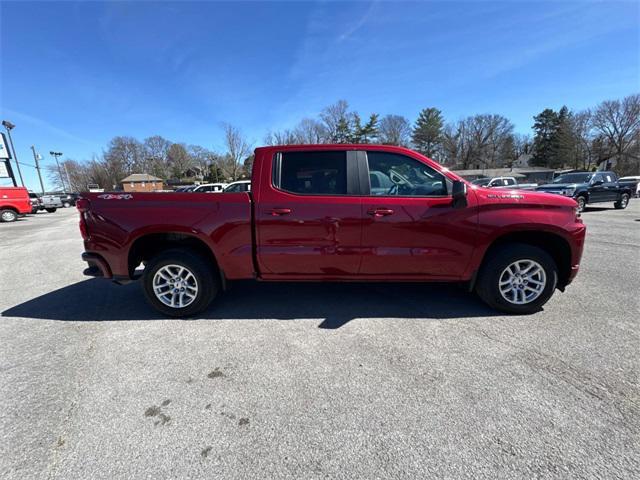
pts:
pixel 142 182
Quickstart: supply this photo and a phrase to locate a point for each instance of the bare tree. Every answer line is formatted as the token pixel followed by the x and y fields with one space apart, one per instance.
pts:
pixel 480 141
pixel 335 117
pixel 282 137
pixel 522 143
pixel 204 159
pixel 81 174
pixel 238 149
pixel 155 150
pixel 310 131
pixel 582 130
pixel 122 158
pixel 179 160
pixel 618 123
pixel 395 130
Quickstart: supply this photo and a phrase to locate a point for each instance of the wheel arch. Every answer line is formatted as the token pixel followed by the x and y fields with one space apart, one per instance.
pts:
pixel 148 245
pixel 553 243
pixel 582 193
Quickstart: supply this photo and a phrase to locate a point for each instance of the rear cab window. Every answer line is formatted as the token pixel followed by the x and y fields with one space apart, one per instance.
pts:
pixel 311 173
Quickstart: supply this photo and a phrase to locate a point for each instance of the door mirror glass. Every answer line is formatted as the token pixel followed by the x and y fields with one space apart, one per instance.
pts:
pixel 459 194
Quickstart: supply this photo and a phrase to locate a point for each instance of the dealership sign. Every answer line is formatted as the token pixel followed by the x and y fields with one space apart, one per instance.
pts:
pixel 5 154
pixel 4 173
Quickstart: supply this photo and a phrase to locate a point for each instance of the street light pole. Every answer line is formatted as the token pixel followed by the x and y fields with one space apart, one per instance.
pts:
pixel 55 155
pixel 37 157
pixel 66 172
pixel 10 126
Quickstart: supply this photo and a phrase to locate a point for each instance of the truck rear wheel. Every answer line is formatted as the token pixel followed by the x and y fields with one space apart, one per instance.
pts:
pixel 8 215
pixel 518 278
pixel 180 283
pixel 623 202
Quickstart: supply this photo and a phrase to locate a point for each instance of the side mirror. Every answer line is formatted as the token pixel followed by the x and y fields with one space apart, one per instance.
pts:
pixel 597 182
pixel 459 194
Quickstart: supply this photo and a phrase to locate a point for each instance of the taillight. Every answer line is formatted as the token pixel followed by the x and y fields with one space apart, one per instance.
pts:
pixel 83 228
pixel 82 204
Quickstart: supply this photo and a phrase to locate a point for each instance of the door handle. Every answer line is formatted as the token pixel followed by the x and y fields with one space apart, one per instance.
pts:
pixel 276 212
pixel 380 212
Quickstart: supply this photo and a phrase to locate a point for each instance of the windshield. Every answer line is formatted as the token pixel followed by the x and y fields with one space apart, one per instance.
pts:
pixel 573 178
pixel 481 181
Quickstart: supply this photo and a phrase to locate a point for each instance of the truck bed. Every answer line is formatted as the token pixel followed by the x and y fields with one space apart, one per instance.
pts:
pixel 116 221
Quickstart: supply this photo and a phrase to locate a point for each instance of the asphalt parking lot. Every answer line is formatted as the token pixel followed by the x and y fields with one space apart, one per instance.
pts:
pixel 316 381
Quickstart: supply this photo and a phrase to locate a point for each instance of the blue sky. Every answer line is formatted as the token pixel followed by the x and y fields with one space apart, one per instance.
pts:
pixel 75 74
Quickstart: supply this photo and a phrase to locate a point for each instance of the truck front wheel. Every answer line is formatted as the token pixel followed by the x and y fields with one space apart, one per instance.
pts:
pixel 517 278
pixel 179 283
pixel 582 202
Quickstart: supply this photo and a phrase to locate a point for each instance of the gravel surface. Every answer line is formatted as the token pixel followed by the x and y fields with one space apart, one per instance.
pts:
pixel 316 381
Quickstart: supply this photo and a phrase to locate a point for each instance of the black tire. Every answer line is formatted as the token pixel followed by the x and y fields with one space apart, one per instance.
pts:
pixel 206 276
pixel 7 215
pixel 582 202
pixel 623 202
pixel 66 204
pixel 51 210
pixel 487 286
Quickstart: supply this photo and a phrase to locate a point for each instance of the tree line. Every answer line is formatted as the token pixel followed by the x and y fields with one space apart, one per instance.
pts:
pixel 160 157
pixel 563 138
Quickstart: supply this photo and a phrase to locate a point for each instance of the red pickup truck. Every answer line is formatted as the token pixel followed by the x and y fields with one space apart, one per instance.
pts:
pixel 336 213
pixel 14 201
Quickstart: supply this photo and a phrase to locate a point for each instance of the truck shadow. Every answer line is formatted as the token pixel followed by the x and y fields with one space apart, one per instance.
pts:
pixel 332 304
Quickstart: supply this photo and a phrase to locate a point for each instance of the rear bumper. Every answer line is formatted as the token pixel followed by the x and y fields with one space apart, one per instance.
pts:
pixel 97 266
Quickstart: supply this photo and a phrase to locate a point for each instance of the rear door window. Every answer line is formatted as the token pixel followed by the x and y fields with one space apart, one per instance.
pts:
pixel 312 173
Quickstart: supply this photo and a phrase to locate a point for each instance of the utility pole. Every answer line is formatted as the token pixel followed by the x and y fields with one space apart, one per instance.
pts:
pixel 36 157
pixel 10 126
pixel 56 155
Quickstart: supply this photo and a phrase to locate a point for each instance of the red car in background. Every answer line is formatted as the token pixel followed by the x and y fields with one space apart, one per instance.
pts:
pixel 336 213
pixel 14 201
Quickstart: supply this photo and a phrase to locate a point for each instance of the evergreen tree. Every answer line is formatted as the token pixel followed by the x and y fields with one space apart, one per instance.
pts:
pixel 545 129
pixel 370 131
pixel 427 132
pixel 356 131
pixel 564 143
pixel 343 133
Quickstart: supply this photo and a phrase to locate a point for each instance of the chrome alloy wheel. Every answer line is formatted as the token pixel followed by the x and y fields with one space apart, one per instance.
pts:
pixel 522 282
pixel 175 286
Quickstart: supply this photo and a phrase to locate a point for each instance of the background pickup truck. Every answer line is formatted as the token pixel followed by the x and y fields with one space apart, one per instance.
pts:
pixel 590 187
pixel 336 213
pixel 14 201
pixel 50 203
pixel 503 182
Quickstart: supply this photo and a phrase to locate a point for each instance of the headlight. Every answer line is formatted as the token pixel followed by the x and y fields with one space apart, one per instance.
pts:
pixel 569 191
